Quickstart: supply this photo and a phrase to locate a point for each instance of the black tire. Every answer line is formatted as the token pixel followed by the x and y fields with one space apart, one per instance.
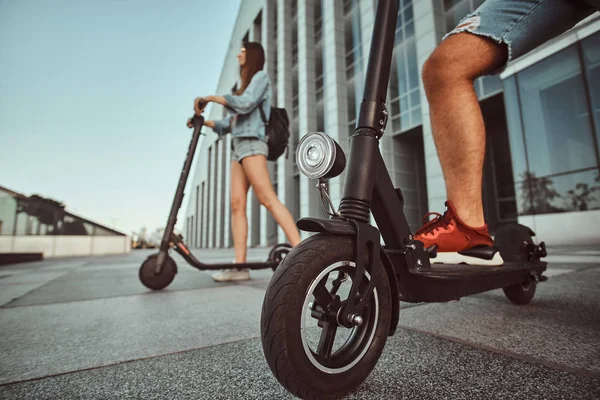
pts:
pixel 294 365
pixel 520 294
pixel 150 279
pixel 278 253
pixel 512 240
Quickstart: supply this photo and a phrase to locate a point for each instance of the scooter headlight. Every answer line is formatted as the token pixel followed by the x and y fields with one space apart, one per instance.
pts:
pixel 319 156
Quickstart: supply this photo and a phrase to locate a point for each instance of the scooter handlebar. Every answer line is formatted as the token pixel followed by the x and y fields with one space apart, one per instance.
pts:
pixel 197 122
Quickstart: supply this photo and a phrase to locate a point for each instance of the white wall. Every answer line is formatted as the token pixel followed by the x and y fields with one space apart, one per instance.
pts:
pixel 64 246
pixel 564 229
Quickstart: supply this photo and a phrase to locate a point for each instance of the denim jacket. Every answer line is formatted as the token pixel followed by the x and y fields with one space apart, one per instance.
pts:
pixel 244 111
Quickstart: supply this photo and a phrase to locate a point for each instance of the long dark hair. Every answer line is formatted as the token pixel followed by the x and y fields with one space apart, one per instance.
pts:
pixel 255 61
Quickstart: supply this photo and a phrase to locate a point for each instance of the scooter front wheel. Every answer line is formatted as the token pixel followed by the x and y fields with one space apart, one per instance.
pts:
pixel 308 350
pixel 151 279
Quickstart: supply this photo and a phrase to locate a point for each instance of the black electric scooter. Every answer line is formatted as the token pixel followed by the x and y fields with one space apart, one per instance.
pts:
pixel 336 296
pixel 158 270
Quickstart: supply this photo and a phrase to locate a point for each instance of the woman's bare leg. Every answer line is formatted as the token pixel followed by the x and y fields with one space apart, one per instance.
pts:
pixel 239 220
pixel 258 175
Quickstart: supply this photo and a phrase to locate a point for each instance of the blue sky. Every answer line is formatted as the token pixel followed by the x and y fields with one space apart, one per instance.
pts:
pixel 94 96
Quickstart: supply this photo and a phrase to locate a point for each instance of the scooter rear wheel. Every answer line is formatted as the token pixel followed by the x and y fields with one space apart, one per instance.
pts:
pixel 520 294
pixel 308 351
pixel 150 279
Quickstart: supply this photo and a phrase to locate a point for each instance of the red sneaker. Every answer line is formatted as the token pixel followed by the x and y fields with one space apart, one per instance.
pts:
pixel 457 243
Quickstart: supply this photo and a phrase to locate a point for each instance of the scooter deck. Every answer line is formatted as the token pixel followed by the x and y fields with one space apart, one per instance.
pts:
pixel 252 265
pixel 446 282
pixel 462 271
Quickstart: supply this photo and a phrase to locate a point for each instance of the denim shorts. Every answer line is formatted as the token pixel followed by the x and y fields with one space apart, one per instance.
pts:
pixel 524 24
pixel 247 146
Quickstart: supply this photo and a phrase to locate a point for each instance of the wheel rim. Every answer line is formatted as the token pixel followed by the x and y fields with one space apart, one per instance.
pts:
pixel 359 339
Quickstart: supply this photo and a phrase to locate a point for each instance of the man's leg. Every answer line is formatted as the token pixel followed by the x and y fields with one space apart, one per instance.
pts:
pixel 456 120
pixel 481 44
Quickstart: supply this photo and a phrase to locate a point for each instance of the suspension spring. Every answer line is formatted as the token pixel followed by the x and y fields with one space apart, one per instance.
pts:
pixel 355 209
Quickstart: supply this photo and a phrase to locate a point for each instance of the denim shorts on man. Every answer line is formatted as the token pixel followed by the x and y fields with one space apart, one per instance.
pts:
pixel 524 24
pixel 247 146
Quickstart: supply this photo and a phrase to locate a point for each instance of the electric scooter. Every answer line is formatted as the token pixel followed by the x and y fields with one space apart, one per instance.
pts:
pixel 335 298
pixel 158 270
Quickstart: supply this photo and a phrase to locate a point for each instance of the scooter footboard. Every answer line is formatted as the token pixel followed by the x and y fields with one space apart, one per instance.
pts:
pixel 446 282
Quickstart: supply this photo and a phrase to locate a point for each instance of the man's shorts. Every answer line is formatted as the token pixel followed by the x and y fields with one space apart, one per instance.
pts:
pixel 524 24
pixel 246 146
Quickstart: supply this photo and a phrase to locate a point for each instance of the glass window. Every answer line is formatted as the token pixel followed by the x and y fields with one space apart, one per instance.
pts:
pixel 591 57
pixel 351 102
pixel 491 84
pixel 570 192
pixel 416 116
pixel 415 100
pixel 515 131
pixel 555 118
pixel 8 209
pixel 408 12
pixel 411 54
pixel 395 107
pixel 456 14
pixel 448 4
pixel 396 125
pixel 405 74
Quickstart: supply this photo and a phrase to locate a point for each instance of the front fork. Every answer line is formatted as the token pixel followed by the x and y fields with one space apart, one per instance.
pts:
pixel 367 240
pixel 176 243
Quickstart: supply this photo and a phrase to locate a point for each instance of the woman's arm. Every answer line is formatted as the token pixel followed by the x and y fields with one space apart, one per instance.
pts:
pixel 200 103
pixel 220 127
pixel 243 103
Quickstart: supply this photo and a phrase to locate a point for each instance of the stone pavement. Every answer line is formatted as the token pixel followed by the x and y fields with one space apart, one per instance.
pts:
pixel 86 328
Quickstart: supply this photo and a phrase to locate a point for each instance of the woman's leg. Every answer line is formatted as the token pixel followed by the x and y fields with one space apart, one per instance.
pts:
pixel 239 220
pixel 258 175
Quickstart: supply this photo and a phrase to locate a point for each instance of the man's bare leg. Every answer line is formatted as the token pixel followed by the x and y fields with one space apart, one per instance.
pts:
pixel 456 119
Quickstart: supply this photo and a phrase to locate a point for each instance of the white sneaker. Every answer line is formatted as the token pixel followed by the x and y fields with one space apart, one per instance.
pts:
pixel 232 275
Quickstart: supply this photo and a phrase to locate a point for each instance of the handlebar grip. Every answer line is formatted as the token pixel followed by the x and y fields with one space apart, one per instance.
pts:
pixel 202 104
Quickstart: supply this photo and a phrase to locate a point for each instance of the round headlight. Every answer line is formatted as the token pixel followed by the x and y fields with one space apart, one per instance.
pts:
pixel 318 156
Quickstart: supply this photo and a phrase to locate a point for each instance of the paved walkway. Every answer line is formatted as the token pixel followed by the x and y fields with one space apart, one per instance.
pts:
pixel 86 328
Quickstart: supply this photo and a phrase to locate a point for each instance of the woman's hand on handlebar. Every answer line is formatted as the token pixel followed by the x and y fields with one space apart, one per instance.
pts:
pixel 210 124
pixel 200 104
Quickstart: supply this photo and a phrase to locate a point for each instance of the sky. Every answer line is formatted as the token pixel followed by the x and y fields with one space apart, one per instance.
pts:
pixel 94 96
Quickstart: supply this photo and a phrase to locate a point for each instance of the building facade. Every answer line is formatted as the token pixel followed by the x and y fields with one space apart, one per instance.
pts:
pixel 542 119
pixel 34 227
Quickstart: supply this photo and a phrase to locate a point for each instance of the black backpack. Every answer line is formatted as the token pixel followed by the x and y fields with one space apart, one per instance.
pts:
pixel 278 132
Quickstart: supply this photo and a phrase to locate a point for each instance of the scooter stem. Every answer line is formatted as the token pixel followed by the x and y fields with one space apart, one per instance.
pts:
pixel 364 143
pixel 198 122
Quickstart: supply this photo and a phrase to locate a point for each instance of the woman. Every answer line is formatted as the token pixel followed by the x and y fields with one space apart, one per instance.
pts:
pixel 249 152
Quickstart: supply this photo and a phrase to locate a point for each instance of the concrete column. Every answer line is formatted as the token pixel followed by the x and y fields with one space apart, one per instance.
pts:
pixel 268 35
pixel 285 188
pixel 307 99
pixel 429 23
pixel 228 240
pixel 334 82
pixel 252 205
pixel 219 190
pixel 210 199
